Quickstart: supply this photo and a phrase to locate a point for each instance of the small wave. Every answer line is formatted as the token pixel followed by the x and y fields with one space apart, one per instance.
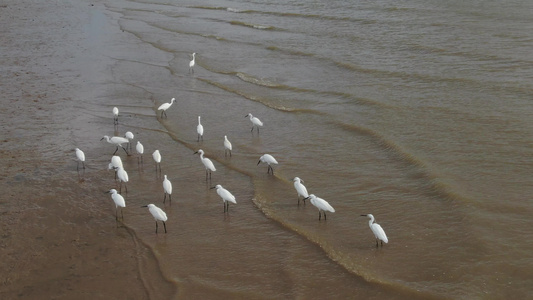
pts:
pixel 426 170
pixel 255 26
pixel 234 10
pixel 258 81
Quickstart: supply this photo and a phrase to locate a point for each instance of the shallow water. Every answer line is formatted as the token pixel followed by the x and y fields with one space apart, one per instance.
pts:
pixel 417 112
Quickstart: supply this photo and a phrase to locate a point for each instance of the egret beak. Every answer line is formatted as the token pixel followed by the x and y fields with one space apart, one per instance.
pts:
pixel 258 163
pixel 214 187
pixel 144 206
pixel 364 216
pixel 306 198
pixel 195 152
pixel 101 138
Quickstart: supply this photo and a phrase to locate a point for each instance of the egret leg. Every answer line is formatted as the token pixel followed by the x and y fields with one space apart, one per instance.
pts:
pixel 156 226
pixel 319 215
pixel 78 166
pixel 122 214
pixel 124 150
pixel 170 199
pixel 206 174
pixel 165 225
pixel 116 214
pixel 115 151
pixel 252 129
pixel 229 153
pixel 325 216
pixel 165 198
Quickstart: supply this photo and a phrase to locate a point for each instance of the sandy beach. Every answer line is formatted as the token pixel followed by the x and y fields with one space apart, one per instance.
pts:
pixel 59 238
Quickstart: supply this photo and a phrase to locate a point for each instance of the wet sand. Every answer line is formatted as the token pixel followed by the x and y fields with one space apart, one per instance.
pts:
pixel 59 238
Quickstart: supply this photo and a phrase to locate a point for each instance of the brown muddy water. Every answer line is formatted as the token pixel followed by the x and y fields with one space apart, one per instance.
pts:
pixel 416 112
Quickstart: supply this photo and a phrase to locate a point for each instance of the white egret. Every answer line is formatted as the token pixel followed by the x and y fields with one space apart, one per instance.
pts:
pixel 226 196
pixel 255 122
pixel 378 232
pixel 322 205
pixel 117 141
pixel 81 157
pixel 116 162
pixel 167 187
pixel 208 164
pixel 140 150
pixel 268 159
pixel 115 115
pixel 122 177
pixel 158 214
pixel 129 136
pixel 157 158
pixel 119 201
pixel 227 146
pixel 300 189
pixel 200 130
pixel 163 107
pixel 192 63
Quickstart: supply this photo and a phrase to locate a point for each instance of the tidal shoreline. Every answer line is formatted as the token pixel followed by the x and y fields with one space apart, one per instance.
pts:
pixel 59 236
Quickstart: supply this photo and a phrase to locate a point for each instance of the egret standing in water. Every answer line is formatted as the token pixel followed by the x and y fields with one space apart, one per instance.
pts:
pixel 119 201
pixel 129 136
pixel 227 146
pixel 116 162
pixel 81 157
pixel 158 214
pixel 268 159
pixel 208 164
pixel 163 107
pixel 378 232
pixel 200 130
pixel 192 63
pixel 157 158
pixel 322 205
pixel 226 196
pixel 300 189
pixel 122 177
pixel 255 122
pixel 167 187
pixel 115 115
pixel 140 151
pixel 117 141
